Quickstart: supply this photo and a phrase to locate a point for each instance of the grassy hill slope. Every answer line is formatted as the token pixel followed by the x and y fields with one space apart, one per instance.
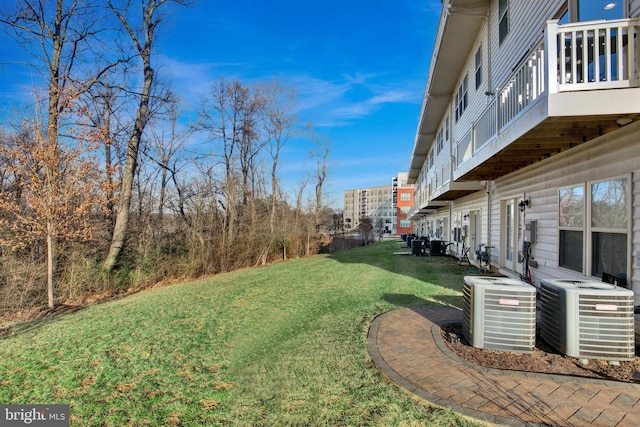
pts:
pixel 279 345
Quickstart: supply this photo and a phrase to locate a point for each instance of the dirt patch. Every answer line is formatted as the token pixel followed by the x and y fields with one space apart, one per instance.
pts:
pixel 544 359
pixel 21 320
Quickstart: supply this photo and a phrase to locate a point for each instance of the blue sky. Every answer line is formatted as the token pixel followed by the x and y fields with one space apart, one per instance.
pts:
pixel 359 68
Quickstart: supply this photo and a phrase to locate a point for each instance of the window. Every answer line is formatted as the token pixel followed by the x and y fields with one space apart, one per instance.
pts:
pixel 571 227
pixel 503 16
pixel 446 129
pixel 461 98
pixel 405 209
pixel 431 159
pixel 479 67
pixel 405 197
pixel 609 218
pixel 440 139
pixel 510 227
pixel 405 223
pixel 589 10
pixel 604 218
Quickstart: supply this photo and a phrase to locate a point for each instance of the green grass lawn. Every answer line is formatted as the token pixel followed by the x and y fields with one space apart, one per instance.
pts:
pixel 274 346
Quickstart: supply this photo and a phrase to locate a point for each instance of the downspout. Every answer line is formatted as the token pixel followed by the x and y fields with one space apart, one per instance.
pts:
pixel 489 89
pixel 488 189
pixel 489 79
pixel 453 162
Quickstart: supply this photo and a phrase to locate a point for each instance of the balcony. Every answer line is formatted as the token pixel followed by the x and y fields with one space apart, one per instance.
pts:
pixel 443 188
pixel 455 190
pixel 426 207
pixel 578 83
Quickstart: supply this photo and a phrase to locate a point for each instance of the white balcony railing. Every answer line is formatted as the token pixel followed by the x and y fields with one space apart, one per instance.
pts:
pixel 446 173
pixel 437 179
pixel 597 55
pixel 526 85
pixel 485 128
pixel 572 57
pixel 465 148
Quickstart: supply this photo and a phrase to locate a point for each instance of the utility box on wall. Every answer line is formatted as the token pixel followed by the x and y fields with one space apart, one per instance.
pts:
pixel 530 230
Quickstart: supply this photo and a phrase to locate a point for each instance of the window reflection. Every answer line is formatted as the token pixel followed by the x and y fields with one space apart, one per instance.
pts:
pixel 592 10
pixel 572 207
pixel 609 204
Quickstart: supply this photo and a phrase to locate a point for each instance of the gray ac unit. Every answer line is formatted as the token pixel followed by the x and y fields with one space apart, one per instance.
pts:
pixel 499 313
pixel 587 319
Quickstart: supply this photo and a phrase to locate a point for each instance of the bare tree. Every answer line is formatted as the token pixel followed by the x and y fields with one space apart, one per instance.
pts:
pixel 278 124
pixel 277 127
pixel 164 150
pixel 250 143
pixel 366 228
pixel 61 37
pixel 230 116
pixel 321 174
pixel 143 39
pixel 104 100
pixel 298 220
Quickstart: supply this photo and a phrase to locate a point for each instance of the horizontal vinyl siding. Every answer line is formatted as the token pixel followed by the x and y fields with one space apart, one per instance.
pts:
pixel 609 156
pixel 421 225
pixel 477 99
pixel 634 8
pixel 527 20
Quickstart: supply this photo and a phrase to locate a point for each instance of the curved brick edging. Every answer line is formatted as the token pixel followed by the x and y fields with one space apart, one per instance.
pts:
pixel 407 346
pixel 379 361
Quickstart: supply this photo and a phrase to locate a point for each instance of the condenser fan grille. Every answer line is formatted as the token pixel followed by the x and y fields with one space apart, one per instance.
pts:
pixel 587 322
pixel 606 327
pixel 499 317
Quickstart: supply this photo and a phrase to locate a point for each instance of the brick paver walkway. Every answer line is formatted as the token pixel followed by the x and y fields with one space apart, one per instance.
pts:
pixel 407 346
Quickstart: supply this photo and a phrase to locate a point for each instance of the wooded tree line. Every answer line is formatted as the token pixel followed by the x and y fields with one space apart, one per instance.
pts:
pixel 102 188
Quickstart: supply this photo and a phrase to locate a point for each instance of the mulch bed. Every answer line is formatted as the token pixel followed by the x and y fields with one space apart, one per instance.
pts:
pixel 544 359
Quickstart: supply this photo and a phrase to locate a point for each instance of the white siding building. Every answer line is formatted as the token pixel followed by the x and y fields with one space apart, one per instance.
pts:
pixel 529 137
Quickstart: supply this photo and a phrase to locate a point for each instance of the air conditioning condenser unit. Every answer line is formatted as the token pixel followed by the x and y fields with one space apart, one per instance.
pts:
pixel 499 313
pixel 587 319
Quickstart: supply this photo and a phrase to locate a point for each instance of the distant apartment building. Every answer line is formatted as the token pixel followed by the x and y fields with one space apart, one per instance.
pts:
pixel 403 202
pixel 373 202
pixel 386 205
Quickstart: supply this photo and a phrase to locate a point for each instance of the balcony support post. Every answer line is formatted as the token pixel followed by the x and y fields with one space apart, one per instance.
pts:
pixel 634 53
pixel 551 55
